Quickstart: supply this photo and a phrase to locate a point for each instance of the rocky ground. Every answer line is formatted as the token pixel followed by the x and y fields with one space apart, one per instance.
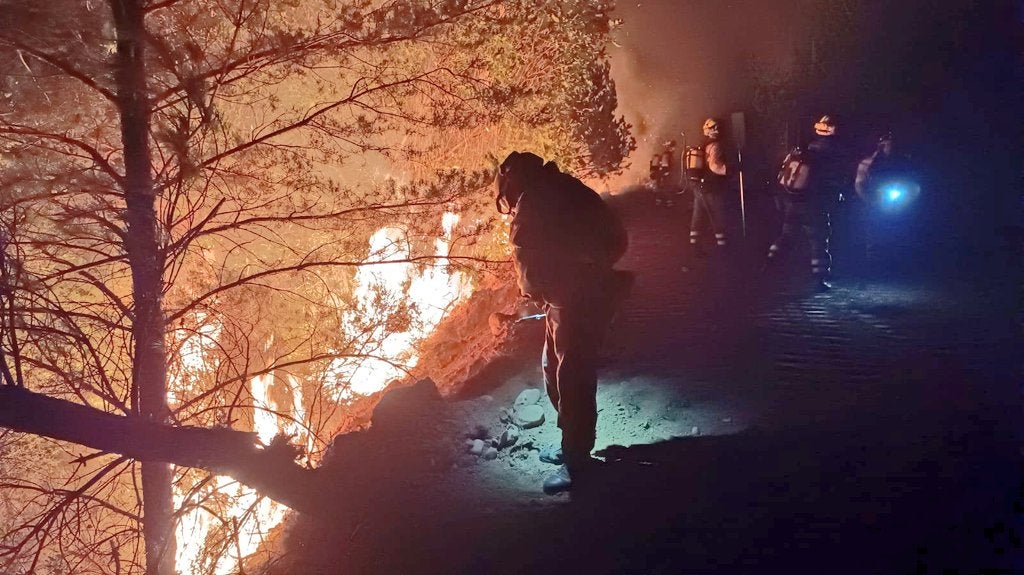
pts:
pixel 745 422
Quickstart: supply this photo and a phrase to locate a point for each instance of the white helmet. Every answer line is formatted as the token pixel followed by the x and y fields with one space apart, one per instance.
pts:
pixel 711 128
pixel 825 126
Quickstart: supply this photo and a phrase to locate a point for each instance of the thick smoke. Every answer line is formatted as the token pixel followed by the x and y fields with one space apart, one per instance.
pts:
pixel 677 62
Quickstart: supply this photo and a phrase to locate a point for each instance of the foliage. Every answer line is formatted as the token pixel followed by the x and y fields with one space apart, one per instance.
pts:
pixel 281 135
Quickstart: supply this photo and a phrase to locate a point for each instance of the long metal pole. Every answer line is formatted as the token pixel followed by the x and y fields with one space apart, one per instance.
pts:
pixel 743 205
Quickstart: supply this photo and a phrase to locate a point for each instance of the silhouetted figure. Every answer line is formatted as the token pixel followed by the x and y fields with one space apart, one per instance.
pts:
pixel 664 172
pixel 813 179
pixel 886 182
pixel 708 169
pixel 565 241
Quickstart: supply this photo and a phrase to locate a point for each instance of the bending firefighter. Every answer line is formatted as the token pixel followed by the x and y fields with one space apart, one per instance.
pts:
pixel 708 171
pixel 565 241
pixel 813 180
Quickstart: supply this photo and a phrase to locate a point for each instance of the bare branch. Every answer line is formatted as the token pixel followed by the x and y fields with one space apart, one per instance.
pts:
pixel 316 264
pixel 92 152
pixel 62 65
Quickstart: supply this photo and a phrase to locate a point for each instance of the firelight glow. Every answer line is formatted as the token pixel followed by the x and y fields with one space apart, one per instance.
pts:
pixel 380 291
pixel 206 544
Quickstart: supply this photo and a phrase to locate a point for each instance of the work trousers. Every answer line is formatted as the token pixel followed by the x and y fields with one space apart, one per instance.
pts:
pixel 810 218
pixel 857 238
pixel 574 334
pixel 709 211
pixel 665 192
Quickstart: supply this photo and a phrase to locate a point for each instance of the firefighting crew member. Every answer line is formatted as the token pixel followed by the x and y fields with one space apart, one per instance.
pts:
pixel 665 174
pixel 808 206
pixel 880 175
pixel 709 191
pixel 883 167
pixel 565 241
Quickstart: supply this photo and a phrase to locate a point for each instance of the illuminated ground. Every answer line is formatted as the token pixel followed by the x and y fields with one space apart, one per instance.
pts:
pixel 874 429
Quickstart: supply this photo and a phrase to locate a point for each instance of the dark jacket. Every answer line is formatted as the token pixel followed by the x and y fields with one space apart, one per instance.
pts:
pixel 832 169
pixel 717 152
pixel 565 239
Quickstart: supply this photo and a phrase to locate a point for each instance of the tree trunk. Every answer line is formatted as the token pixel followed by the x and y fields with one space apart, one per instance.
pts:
pixel 149 394
pixel 223 451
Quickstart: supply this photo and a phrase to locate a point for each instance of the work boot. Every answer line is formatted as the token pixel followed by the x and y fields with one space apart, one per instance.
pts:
pixel 697 252
pixel 570 474
pixel 559 481
pixel 552 455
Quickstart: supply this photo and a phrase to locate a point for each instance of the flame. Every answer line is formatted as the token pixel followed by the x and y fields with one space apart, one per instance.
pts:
pixel 217 544
pixel 431 292
pixel 224 515
pixel 224 522
pixel 264 421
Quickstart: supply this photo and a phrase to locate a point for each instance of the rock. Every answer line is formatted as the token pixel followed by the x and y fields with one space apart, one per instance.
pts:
pixel 490 454
pixel 528 396
pixel 524 448
pixel 508 438
pixel 529 416
pixel 477 448
pixel 505 415
pixel 479 431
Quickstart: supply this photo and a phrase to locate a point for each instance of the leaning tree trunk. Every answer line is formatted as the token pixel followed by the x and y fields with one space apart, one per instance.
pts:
pixel 149 393
pixel 271 471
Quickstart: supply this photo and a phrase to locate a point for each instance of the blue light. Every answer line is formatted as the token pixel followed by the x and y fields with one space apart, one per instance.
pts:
pixel 895 194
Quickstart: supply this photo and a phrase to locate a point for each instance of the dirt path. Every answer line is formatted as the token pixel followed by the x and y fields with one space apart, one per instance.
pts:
pixel 746 424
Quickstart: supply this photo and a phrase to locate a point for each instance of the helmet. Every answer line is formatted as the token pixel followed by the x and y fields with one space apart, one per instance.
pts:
pixel 669 143
pixel 711 128
pixel 511 173
pixel 825 126
pixel 885 143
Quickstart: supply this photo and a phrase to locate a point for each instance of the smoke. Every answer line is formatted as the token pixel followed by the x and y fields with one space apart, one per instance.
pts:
pixel 678 62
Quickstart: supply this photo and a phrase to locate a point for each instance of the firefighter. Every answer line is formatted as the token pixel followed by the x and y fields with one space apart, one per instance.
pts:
pixel 814 179
pixel 881 169
pixel 885 181
pixel 665 174
pixel 566 241
pixel 708 170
